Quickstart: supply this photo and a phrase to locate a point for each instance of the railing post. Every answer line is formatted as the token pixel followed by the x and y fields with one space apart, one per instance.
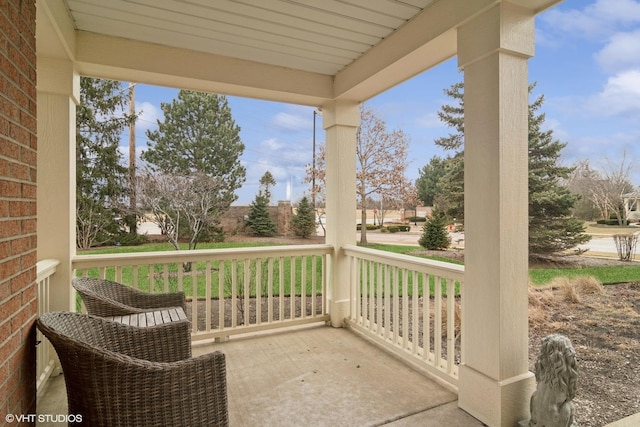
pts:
pixel 340 121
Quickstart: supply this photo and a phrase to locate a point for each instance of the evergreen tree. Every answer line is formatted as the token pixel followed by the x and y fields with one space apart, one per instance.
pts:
pixel 434 232
pixel 427 182
pixel 101 177
pixel 551 227
pixel 259 220
pixel 303 223
pixel 199 138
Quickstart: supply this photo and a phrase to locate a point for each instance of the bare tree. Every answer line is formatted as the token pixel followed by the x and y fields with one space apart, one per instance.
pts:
pixel 607 192
pixel 381 158
pixel 178 204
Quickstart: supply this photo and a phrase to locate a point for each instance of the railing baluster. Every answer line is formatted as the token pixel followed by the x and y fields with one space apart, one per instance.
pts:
pixel 379 280
pixel 270 291
pixel 221 295
pixel 207 295
pixel 246 292
pixel 194 304
pixel 426 318
pixel 281 295
pixel 258 298
pixel 303 287
pixel 437 324
pixel 292 288
pixel 451 325
pixel 414 313
pixel 405 309
pixel 234 293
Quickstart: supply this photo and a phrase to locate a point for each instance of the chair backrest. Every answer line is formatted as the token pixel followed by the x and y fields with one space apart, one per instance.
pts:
pixel 112 378
pixel 103 297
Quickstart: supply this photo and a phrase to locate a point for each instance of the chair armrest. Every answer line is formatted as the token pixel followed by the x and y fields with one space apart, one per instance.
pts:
pixel 168 342
pixel 145 301
pixel 125 391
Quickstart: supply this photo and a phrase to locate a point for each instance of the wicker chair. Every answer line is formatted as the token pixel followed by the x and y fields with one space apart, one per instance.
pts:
pixel 105 298
pixel 120 375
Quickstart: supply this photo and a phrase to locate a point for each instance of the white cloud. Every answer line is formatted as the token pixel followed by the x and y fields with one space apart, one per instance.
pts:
pixel 620 96
pixel 271 144
pixel 148 115
pixel 293 122
pixel 601 18
pixel 621 53
pixel 429 120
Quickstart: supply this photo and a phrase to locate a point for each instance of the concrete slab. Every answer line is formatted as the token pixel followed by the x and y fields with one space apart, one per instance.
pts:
pixel 322 376
pixel 316 376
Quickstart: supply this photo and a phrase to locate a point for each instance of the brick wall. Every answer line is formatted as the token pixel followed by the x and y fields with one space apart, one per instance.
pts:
pixel 18 303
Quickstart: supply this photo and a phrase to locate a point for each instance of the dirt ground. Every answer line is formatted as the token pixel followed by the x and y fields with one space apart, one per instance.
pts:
pixel 603 324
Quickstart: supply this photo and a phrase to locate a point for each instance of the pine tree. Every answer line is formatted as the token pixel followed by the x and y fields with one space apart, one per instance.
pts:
pixel 551 227
pixel 259 220
pixel 303 223
pixel 101 177
pixel 434 232
pixel 199 139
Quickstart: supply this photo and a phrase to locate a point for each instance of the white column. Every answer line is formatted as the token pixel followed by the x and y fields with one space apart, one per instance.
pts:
pixel 58 93
pixel 495 384
pixel 340 121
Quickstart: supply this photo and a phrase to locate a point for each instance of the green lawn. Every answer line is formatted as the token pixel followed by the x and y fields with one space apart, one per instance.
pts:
pixel 538 276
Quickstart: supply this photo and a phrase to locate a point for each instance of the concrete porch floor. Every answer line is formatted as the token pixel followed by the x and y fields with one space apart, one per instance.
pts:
pixel 316 376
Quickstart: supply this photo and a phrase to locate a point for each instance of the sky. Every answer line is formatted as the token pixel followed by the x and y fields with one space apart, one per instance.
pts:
pixel 587 66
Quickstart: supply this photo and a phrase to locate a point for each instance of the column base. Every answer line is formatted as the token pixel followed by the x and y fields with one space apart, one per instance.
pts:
pixel 495 403
pixel 338 311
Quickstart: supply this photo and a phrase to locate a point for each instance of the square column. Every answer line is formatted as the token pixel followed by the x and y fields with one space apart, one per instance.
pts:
pixel 58 93
pixel 340 121
pixel 495 384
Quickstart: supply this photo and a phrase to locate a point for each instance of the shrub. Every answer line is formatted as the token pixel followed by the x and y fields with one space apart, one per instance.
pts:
pixel 303 222
pixel 434 233
pixel 416 219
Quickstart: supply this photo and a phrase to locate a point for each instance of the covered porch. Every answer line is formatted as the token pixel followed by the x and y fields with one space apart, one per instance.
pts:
pixel 317 376
pixel 352 52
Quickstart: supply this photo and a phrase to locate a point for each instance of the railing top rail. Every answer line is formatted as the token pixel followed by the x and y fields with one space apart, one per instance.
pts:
pixel 46 267
pixel 445 269
pixel 199 255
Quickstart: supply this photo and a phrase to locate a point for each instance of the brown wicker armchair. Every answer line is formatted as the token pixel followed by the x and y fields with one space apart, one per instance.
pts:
pixel 120 375
pixel 105 298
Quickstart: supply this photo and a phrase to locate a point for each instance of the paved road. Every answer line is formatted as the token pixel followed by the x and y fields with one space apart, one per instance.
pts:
pixel 597 244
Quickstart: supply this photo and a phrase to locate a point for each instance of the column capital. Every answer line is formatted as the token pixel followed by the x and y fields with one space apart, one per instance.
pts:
pixel 341 113
pixel 58 77
pixel 505 27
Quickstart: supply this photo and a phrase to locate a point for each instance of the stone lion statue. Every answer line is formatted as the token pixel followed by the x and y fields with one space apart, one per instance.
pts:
pixel 556 374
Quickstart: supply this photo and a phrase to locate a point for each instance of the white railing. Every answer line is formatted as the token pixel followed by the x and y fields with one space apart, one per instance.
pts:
pixel 229 291
pixel 45 354
pixel 409 305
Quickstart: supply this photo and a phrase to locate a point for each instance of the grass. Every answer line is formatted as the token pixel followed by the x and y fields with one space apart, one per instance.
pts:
pixel 538 276
pixel 541 276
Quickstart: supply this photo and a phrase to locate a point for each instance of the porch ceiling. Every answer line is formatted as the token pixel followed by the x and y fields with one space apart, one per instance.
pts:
pixel 303 51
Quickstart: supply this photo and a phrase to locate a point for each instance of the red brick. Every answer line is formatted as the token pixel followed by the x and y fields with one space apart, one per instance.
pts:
pixel 20 283
pixel 8 149
pixel 9 347
pixel 4 291
pixel 10 189
pixel 29 226
pixel 9 268
pixel 9 228
pixel 19 171
pixel 9 307
pixel 4 208
pixel 5 331
pixel 29 191
pixel 5 250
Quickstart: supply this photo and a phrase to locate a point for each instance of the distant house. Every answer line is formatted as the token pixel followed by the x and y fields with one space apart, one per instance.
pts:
pixel 631 203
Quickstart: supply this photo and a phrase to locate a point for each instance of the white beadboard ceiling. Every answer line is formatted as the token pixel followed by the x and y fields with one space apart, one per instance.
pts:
pixel 321 36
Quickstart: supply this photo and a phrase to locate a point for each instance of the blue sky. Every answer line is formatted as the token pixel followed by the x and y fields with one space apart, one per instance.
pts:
pixel 587 66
